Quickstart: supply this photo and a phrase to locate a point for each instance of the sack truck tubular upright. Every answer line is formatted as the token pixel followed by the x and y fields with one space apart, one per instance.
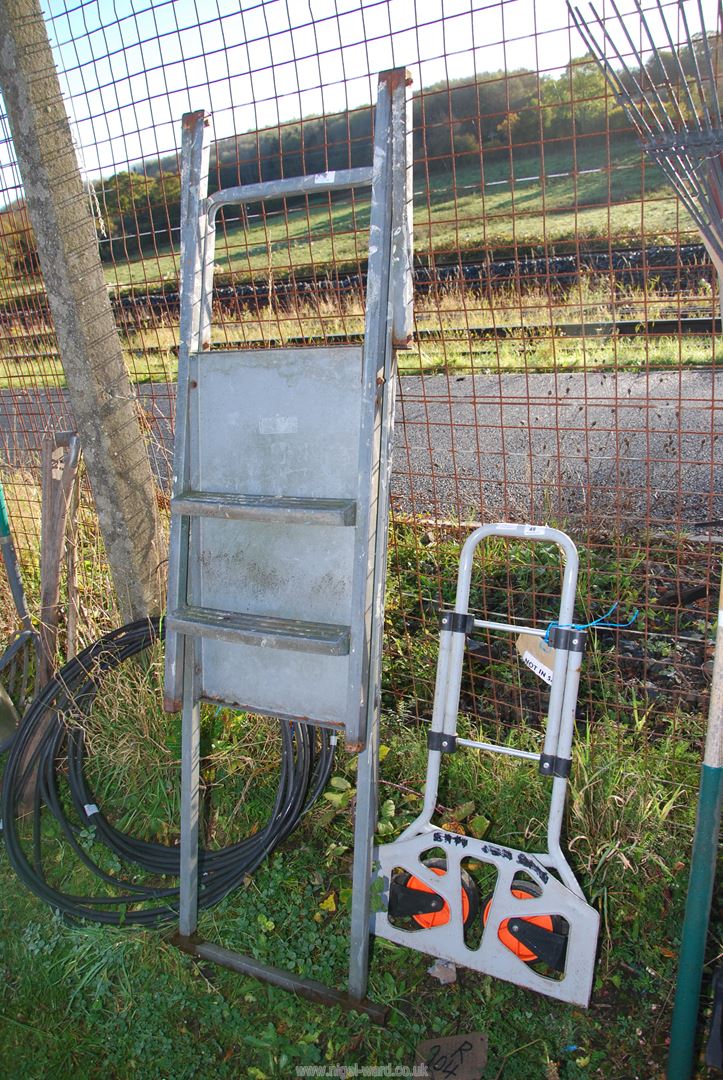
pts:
pixel 537 929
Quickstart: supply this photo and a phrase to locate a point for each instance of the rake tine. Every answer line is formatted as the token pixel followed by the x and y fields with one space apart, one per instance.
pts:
pixel 674 51
pixel 693 207
pixel 690 205
pixel 707 121
pixel 598 54
pixel 639 58
pixel 709 61
pixel 692 160
pixel 686 176
pixel 662 67
pixel 677 163
pixel 695 181
pixel 708 187
pixel 627 99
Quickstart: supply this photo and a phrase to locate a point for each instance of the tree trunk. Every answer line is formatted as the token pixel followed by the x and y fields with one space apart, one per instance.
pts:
pixel 104 406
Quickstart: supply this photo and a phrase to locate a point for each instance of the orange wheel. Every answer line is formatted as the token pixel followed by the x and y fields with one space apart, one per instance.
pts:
pixel 470 897
pixel 523 890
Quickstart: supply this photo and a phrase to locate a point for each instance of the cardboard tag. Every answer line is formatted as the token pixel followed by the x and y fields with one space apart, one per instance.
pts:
pixel 536 655
pixel 458 1057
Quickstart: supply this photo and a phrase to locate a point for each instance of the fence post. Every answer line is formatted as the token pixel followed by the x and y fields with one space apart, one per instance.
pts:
pixel 104 407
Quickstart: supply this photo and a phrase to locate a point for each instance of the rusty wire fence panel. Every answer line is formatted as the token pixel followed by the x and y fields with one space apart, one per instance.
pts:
pixel 564 366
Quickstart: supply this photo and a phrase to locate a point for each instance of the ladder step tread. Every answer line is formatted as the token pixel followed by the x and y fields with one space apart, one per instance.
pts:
pixel 289 509
pixel 265 630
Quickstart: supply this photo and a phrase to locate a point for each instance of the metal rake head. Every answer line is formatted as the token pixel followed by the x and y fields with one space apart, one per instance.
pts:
pixel 670 94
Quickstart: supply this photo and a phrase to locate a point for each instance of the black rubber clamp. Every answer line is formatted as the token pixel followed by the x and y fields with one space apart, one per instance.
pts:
pixel 565 637
pixel 437 740
pixel 456 622
pixel 547 946
pixel 555 766
pixel 404 901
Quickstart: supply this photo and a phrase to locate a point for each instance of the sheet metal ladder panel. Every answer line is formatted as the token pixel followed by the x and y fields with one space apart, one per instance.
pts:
pixel 290 430
pixel 281 468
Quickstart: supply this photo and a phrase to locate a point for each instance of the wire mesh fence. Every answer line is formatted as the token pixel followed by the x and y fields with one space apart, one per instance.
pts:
pixel 564 365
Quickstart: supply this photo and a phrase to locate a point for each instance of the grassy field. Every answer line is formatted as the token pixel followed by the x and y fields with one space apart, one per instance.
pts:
pixel 474 208
pixel 88 1002
pixel 494 205
pixel 464 214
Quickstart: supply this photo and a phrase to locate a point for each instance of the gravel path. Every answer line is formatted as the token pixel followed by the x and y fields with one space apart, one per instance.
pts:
pixel 635 447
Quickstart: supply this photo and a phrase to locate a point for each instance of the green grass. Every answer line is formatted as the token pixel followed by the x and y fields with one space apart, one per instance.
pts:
pixel 462 213
pixel 619 203
pixel 86 1002
pixel 533 353
pixel 458 213
pixel 536 338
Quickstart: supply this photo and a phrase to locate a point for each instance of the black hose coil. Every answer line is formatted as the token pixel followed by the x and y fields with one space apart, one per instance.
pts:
pixel 51 740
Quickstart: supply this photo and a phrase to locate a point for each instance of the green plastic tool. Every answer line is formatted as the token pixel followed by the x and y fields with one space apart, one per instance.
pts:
pixel 18 662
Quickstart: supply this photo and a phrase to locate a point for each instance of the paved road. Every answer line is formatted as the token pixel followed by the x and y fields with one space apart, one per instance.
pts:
pixel 634 447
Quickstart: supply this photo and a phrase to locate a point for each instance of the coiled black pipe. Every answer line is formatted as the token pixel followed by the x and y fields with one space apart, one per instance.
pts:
pixel 50 742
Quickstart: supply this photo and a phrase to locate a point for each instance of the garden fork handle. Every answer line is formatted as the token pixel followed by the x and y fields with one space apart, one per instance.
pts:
pixel 11 564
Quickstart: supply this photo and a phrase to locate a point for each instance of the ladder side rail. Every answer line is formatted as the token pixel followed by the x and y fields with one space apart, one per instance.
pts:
pixel 195 152
pixel 194 577
pixel 391 172
pixel 402 276
pixel 398 284
pixel 205 313
pixel 190 799
pixel 377 341
pixel 341 180
pixel 399 289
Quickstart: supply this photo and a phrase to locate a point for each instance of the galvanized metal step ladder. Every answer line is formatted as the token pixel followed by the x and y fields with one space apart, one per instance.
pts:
pixel 281 474
pixel 535 927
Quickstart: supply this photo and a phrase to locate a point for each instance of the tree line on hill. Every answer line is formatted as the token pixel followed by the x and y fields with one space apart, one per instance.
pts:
pixel 454 122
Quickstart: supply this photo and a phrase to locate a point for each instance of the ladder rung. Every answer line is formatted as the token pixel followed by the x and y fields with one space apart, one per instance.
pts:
pixel 286 509
pixel 263 630
pixel 494 748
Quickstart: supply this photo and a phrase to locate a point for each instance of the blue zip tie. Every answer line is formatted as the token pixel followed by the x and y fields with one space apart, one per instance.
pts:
pixel 602 622
pixel 222 708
